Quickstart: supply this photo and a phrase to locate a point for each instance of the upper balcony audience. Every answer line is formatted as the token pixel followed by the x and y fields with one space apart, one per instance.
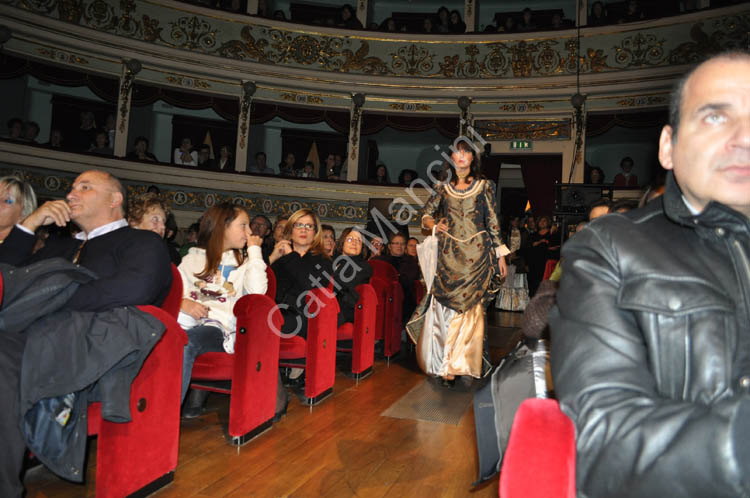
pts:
pixel 55 139
pixel 598 15
pixel 85 136
pixel 204 157
pixel 185 155
pixel 260 165
pixel 381 174
pixel 287 167
pixel 140 152
pixel 101 144
pixel 15 129
pixel 348 18
pixel 632 13
pixel 224 162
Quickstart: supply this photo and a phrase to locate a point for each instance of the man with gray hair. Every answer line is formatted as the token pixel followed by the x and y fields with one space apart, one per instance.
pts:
pixel 651 334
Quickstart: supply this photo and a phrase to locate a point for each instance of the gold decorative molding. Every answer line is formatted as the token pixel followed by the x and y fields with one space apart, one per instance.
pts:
pixel 409 106
pixel 643 100
pixel 301 98
pixel 188 82
pixel 521 107
pixel 529 130
pixel 60 56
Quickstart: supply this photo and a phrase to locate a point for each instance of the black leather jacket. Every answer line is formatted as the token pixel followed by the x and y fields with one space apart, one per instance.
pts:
pixel 651 351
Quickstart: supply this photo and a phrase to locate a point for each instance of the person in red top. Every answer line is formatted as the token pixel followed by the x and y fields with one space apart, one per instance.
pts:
pixel 626 178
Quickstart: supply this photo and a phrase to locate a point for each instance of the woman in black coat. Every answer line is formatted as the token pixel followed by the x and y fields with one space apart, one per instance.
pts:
pixel 350 269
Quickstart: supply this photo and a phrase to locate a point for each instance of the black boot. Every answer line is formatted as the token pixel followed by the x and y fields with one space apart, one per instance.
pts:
pixel 194 402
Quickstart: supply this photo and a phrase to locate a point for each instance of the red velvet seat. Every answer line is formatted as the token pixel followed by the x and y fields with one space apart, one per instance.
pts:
pixel 140 456
pixel 361 332
pixel 252 369
pixel 383 277
pixel 394 320
pixel 173 301
pixel 320 347
pixel 383 269
pixel 540 460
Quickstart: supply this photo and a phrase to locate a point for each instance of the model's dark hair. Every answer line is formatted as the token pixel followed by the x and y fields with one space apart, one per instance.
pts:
pixel 214 223
pixel 474 169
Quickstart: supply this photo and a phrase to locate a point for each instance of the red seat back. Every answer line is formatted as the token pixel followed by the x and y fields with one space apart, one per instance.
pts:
pixel 540 460
pixel 382 291
pixel 174 299
pixel 383 269
pixel 320 361
pixel 393 320
pixel 271 289
pixel 363 337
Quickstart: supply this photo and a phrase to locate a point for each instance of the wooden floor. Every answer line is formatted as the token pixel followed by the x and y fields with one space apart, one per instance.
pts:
pixel 344 447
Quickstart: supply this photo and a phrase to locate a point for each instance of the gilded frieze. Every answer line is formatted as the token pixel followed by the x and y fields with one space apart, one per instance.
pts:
pixel 301 98
pixel 541 55
pixel 521 107
pixel 188 82
pixel 528 130
pixel 409 106
pixel 643 100
pixel 60 56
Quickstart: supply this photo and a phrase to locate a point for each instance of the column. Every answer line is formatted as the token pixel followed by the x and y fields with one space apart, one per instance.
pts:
pixel 579 146
pixel 352 157
pixel 362 6
pixel 252 7
pixel 130 68
pixel 470 15
pixel 248 88
pixel 583 12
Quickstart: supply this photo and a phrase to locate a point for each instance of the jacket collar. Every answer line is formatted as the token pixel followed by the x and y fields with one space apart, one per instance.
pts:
pixel 714 221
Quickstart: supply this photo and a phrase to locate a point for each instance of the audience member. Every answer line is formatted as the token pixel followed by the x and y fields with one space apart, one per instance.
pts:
pixel 17 201
pixel 388 25
pixel 443 20
pixel 538 253
pixel 101 145
pixel 30 132
pixel 348 18
pixel 300 264
pixel 191 239
pixel 85 136
pixel 140 151
pixel 132 268
pixel 148 212
pixel 407 176
pixel 261 226
pixel 349 270
pixel 627 178
pixel 204 157
pixel 650 334
pixel 170 234
pixel 225 162
pixel 184 155
pixel 15 129
pixel 55 139
pixel 508 25
pixel 215 274
pixel 342 167
pixel 427 25
pixel 527 21
pixel 456 24
pixel 287 166
pixel 633 12
pixel 260 165
pixel 598 15
pixel 596 175
pixel 329 239
pixel 599 208
pixel 411 247
pixel 330 169
pixel 408 270
pixel 308 171
pixel 279 15
pixel 279 228
pixel 381 174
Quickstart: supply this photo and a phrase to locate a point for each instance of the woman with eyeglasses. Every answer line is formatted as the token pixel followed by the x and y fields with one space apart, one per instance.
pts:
pixel 350 269
pixel 300 264
pixel 448 326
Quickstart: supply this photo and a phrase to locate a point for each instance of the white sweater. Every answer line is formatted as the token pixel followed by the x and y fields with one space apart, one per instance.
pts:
pixel 250 278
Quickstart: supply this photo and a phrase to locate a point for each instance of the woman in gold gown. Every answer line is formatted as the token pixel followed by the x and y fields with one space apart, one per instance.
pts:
pixel 448 325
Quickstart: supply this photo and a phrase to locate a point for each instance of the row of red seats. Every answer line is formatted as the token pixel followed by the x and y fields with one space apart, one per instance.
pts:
pixel 141 456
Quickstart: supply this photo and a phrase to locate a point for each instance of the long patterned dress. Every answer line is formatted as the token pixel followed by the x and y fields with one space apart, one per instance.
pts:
pixel 448 325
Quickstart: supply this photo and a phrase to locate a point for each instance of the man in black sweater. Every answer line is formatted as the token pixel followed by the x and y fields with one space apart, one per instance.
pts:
pixel 132 266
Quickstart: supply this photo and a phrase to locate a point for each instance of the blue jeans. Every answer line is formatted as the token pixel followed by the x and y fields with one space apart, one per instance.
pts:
pixel 201 339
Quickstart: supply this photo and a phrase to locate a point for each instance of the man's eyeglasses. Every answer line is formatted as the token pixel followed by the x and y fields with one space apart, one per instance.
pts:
pixel 397 244
pixel 306 226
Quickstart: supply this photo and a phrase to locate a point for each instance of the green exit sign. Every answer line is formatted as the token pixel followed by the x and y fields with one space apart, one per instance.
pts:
pixel 520 144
